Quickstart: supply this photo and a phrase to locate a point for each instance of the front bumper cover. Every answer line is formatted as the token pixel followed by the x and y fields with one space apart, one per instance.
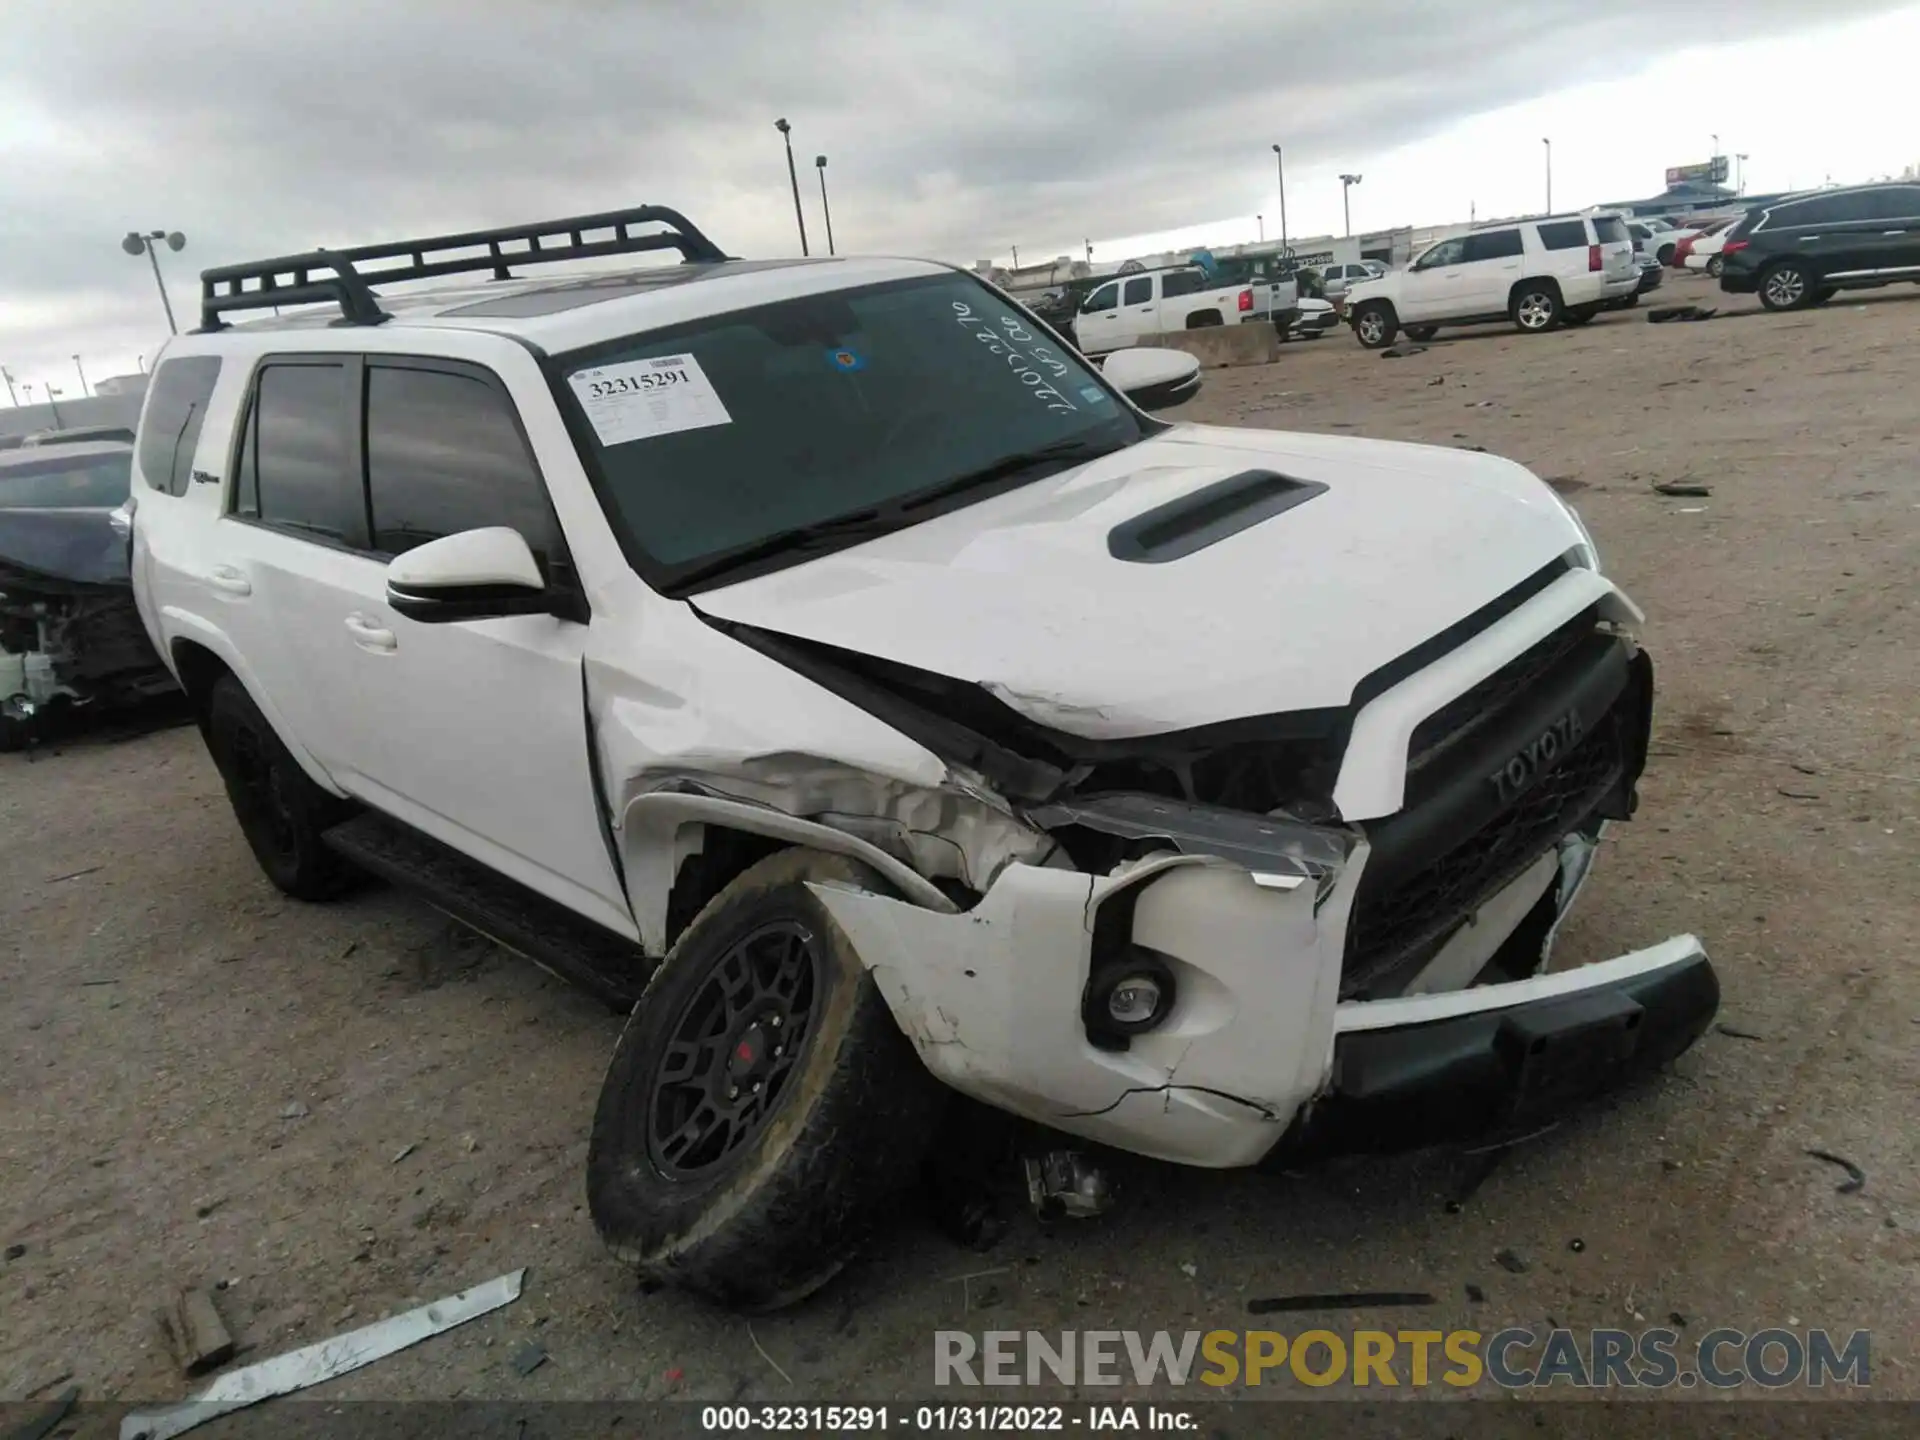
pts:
pixel 1404 1086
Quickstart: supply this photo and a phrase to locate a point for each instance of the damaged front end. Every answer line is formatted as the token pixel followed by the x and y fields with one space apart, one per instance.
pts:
pixel 70 634
pixel 1182 948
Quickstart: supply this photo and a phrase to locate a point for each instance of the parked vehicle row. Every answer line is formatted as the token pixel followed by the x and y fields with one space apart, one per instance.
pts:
pixel 1127 309
pixel 874 699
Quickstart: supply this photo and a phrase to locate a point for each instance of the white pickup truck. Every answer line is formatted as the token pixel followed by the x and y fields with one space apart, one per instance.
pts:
pixel 1129 309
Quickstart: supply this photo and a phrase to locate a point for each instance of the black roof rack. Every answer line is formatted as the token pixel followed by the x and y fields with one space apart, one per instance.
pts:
pixel 290 279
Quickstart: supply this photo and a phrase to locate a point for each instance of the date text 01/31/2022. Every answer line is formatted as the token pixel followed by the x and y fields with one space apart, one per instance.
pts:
pixel 942 1419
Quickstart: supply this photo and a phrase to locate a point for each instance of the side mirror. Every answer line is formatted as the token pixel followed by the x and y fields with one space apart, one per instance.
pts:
pixel 473 575
pixel 1154 379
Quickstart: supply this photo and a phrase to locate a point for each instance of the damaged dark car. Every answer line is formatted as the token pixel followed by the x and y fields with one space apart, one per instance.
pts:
pixel 70 636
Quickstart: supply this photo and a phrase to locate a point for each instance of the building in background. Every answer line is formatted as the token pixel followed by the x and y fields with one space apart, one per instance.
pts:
pixel 135 384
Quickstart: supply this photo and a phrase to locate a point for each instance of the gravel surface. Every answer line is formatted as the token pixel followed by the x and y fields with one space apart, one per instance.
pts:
pixel 336 1112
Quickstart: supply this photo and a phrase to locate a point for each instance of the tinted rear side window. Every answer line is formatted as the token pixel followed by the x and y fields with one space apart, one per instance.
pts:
pixel 293 471
pixel 1493 245
pixel 170 428
pixel 1899 203
pixel 91 481
pixel 1139 292
pixel 1182 282
pixel 445 454
pixel 1564 235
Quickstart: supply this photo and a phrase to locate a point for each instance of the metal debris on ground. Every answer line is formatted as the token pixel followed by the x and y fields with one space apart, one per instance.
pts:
pixel 1438 380
pixel 1395 352
pixel 1661 314
pixel 294 1110
pixel 1857 1178
pixel 14 1252
pixel 765 1356
pixel 1683 487
pixel 1509 1260
pixel 74 874
pixel 1733 1032
pixel 405 1150
pixel 1354 1300
pixel 528 1358
pixel 1795 794
pixel 1063 1183
pixel 195 1332
pixel 1475 1295
pixel 323 1360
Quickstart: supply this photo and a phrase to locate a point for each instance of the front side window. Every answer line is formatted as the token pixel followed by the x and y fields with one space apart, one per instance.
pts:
pixel 170 428
pixel 293 467
pixel 445 454
pixel 762 436
pixel 1447 252
pixel 1493 245
pixel 1139 292
pixel 74 483
pixel 1107 297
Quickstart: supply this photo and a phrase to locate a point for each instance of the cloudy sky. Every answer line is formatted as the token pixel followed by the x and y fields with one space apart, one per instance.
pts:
pixel 957 131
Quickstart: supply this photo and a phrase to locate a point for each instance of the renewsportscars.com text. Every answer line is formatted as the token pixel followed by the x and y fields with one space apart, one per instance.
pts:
pixel 1512 1358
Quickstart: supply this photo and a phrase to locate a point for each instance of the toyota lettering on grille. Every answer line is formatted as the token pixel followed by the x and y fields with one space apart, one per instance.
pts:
pixel 1547 749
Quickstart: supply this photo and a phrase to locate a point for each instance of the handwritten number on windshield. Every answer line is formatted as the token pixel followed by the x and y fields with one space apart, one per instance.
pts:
pixel 1023 362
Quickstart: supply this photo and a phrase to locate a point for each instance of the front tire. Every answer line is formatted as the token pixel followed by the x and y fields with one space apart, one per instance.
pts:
pixel 1786 285
pixel 1375 325
pixel 762 1110
pixel 281 812
pixel 1535 308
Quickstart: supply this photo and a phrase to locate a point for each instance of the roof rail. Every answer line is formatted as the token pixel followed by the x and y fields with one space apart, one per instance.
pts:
pixel 290 279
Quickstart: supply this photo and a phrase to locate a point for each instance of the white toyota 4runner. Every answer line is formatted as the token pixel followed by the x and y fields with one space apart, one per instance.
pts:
pixel 823 661
pixel 1537 274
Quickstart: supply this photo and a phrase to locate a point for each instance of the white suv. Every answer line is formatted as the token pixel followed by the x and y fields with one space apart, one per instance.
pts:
pixel 826 662
pixel 1537 274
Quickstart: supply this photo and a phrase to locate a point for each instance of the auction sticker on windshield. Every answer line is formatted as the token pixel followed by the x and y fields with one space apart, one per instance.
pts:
pixel 640 399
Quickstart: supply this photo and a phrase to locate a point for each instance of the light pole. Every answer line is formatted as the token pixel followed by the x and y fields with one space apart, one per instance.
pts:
pixel 1089 245
pixel 1016 256
pixel 1716 149
pixel 786 133
pixel 7 375
pixel 1280 165
pixel 79 370
pixel 1261 221
pixel 53 400
pixel 138 241
pixel 820 164
pixel 1740 176
pixel 1347 182
pixel 1549 144
pixel 141 361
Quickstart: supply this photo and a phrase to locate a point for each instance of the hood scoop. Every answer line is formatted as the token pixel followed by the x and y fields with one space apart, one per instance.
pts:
pixel 1207 516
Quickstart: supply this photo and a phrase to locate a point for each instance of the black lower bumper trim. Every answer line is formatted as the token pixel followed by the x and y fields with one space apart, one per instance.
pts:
pixel 1412 1086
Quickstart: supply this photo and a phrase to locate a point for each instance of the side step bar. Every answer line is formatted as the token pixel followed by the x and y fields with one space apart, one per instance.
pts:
pixel 605 965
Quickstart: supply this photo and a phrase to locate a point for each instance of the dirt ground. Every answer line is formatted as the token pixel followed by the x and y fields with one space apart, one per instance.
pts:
pixel 338 1112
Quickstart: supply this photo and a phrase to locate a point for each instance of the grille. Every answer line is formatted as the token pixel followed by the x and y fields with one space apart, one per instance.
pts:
pixel 1389 929
pixel 1465 713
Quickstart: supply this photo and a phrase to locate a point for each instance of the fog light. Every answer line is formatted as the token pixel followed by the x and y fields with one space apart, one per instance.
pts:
pixel 1134 1001
pixel 1132 993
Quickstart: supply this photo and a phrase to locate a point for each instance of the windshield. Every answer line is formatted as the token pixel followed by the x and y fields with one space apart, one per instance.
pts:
pixel 719 439
pixel 77 483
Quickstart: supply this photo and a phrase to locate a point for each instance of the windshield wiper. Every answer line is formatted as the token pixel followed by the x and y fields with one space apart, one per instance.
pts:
pixel 1064 452
pixel 873 521
pixel 854 525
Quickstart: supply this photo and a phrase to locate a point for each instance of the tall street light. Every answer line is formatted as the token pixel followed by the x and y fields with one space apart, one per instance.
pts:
pixel 820 164
pixel 1716 149
pixel 1280 165
pixel 7 375
pixel 786 133
pixel 138 241
pixel 81 371
pixel 1740 175
pixel 1261 221
pixel 53 400
pixel 1347 182
pixel 1549 144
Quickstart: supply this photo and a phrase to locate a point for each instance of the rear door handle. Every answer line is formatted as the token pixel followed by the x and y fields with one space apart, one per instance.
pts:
pixel 369 636
pixel 232 581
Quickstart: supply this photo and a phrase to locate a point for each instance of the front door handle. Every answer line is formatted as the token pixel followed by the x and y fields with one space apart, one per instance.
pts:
pixel 225 577
pixel 369 636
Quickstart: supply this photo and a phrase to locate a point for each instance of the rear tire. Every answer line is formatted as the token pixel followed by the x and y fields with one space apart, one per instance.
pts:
pixel 1375 325
pixel 1665 255
pixel 281 812
pixel 695 1181
pixel 1786 285
pixel 1420 334
pixel 1535 307
pixel 1714 266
